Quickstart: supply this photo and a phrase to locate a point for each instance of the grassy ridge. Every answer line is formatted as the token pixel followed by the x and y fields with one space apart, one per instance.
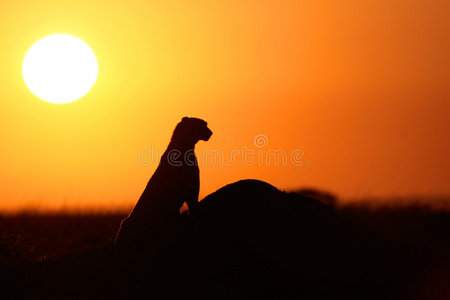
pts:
pixel 35 243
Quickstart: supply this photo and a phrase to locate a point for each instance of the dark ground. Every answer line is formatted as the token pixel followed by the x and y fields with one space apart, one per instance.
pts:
pixel 299 248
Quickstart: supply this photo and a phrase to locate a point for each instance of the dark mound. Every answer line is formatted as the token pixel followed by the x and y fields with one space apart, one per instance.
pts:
pixel 263 241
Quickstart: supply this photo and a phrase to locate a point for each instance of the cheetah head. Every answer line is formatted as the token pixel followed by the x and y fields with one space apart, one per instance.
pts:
pixel 196 128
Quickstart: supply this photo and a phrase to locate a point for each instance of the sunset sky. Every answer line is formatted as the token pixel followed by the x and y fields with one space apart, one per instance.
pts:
pixel 360 87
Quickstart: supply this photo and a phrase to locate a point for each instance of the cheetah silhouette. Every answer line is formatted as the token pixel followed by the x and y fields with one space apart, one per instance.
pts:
pixel 175 181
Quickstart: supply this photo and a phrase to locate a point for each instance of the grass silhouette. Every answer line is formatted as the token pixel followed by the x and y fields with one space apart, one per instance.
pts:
pixel 250 240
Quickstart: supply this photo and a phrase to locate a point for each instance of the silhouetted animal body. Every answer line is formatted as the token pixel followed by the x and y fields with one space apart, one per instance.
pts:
pixel 175 181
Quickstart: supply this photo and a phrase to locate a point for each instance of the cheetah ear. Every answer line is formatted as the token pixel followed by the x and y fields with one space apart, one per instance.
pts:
pixel 184 119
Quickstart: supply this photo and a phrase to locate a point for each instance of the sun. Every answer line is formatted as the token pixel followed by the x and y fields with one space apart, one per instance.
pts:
pixel 60 68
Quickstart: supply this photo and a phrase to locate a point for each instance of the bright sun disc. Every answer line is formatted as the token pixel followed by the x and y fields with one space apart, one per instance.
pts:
pixel 60 68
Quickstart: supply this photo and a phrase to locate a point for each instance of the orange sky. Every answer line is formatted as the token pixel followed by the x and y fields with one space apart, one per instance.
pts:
pixel 361 87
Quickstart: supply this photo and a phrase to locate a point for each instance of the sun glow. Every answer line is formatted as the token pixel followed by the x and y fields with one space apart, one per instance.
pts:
pixel 60 68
